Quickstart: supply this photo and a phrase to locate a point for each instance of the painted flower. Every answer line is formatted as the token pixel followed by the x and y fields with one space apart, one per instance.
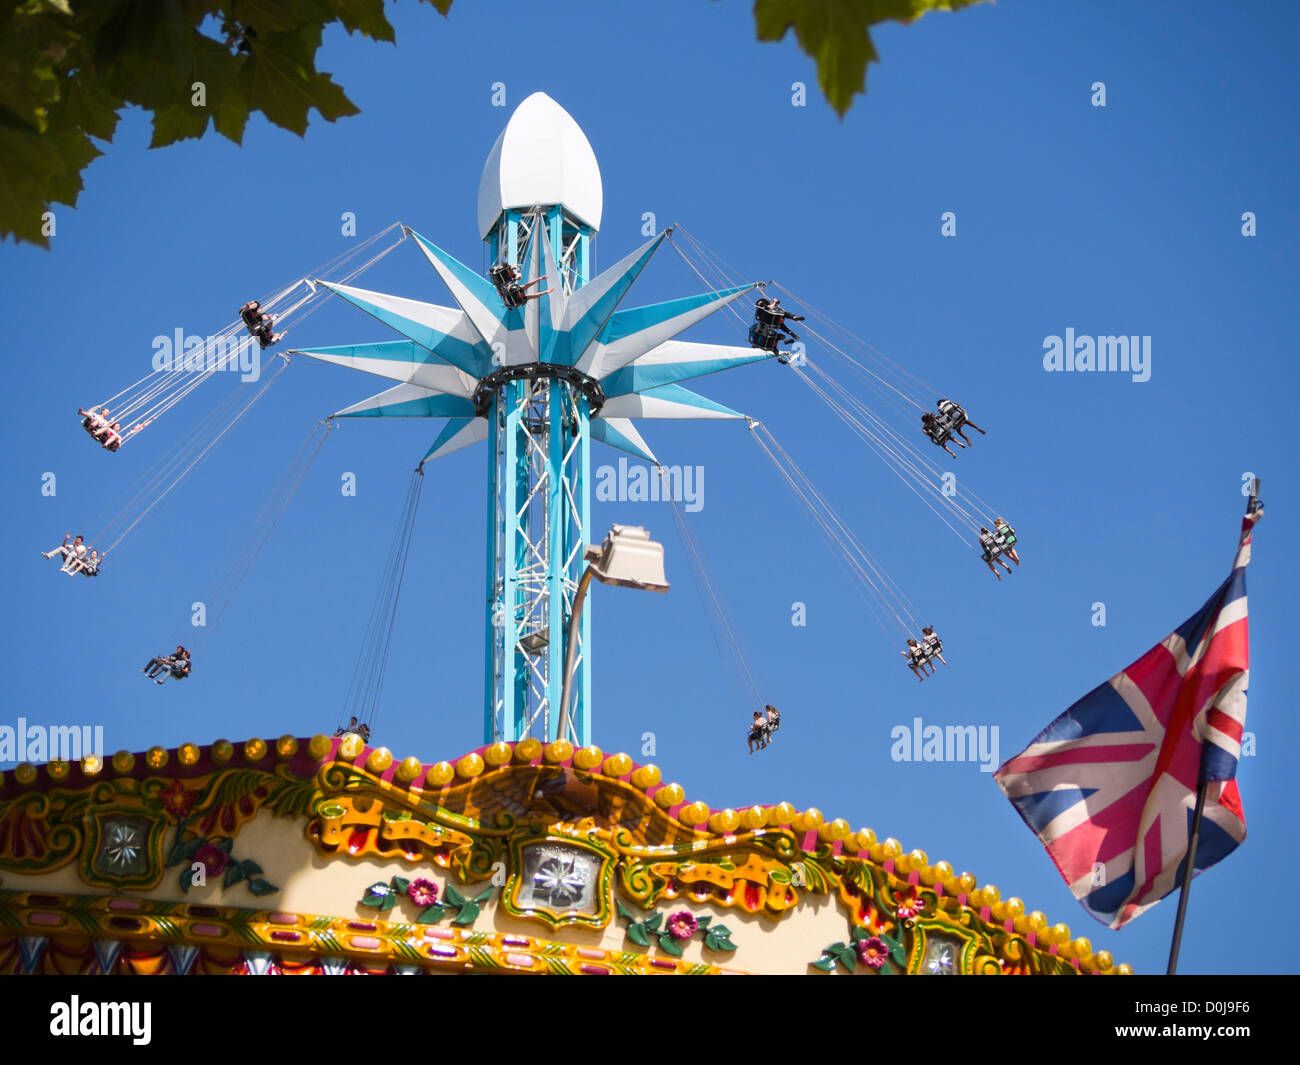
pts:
pixel 872 952
pixel 422 892
pixel 176 800
pixel 213 858
pixel 909 904
pixel 682 925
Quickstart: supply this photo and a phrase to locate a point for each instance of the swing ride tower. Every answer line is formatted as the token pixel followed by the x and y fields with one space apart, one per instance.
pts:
pixel 538 381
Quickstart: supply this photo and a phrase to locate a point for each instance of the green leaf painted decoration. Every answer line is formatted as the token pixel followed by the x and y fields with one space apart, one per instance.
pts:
pixel 384 897
pixel 669 944
pixel 716 937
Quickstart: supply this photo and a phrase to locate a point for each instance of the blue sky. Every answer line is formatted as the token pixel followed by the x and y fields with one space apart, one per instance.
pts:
pixel 1125 219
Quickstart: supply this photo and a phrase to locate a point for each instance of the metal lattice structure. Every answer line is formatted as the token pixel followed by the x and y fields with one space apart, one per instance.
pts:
pixel 538 380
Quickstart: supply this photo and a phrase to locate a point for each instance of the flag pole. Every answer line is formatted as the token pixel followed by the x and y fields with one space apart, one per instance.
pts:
pixel 1201 788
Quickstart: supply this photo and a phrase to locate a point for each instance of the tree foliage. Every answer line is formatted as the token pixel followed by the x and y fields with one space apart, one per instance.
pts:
pixel 68 68
pixel 837 35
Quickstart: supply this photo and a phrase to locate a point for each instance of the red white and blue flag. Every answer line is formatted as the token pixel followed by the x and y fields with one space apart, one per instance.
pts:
pixel 1110 786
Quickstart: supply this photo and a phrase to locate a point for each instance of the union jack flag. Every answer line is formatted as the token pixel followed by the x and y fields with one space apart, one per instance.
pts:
pixel 1109 787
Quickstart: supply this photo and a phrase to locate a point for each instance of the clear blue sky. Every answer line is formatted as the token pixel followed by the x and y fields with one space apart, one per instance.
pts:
pixel 1117 220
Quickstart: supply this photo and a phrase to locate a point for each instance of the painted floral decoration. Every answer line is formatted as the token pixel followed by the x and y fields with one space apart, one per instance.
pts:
pixel 909 904
pixel 680 927
pixel 204 857
pixel 878 953
pixel 872 952
pixel 176 800
pixel 213 858
pixel 424 892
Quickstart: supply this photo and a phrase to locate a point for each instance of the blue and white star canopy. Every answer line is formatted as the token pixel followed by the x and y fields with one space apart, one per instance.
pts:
pixel 446 352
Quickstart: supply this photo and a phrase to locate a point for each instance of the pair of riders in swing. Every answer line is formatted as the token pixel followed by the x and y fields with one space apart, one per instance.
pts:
pixel 77 557
pixel 260 325
pixel 106 432
pixel 176 665
pixel 920 654
pixel 1001 541
pixel 506 278
pixel 765 723
pixel 941 427
pixel 353 728
pixel 769 328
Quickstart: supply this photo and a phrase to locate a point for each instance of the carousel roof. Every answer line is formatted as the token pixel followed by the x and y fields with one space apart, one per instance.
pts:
pixel 363 802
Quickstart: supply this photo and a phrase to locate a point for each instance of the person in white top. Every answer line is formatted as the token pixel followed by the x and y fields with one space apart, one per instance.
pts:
pixel 94 422
pixel 76 549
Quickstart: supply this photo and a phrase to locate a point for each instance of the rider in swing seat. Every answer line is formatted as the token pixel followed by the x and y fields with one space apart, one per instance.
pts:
pixel 1006 538
pixel 938 432
pixel 953 415
pixel 916 659
pixel 991 552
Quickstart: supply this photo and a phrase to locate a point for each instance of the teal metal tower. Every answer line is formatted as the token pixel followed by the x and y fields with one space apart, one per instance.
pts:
pixel 538 381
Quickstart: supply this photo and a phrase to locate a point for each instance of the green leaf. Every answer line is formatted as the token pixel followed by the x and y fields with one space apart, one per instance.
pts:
pixel 234 874
pixel 187 878
pixel 845 955
pixel 431 914
pixel 280 80
pixel 258 886
pixel 250 867
pixel 825 964
pixel 178 122
pixel 484 896
pixel 376 894
pixel 467 916
pixel 836 34
pixel 191 847
pixel 226 844
pixel 365 17
pixel 654 921
pixel 669 944
pixel 623 911
pixel 636 933
pixel 896 950
pixel 85 106
pixel 400 884
pixel 454 897
pixel 704 922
